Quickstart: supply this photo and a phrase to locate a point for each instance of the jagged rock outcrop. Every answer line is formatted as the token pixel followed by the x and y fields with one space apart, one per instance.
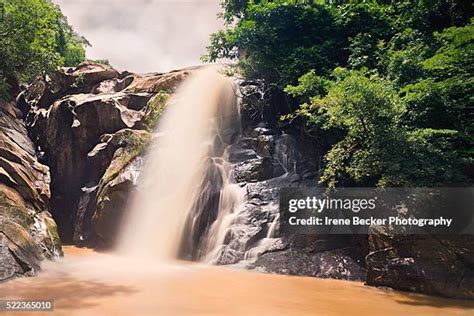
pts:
pixel 28 234
pixel 275 159
pixel 117 163
pixel 80 118
pixel 115 188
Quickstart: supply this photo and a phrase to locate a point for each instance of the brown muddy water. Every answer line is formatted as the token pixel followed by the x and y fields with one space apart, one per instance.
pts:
pixel 89 283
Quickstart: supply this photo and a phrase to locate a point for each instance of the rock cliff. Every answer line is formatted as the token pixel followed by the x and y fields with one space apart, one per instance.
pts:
pixel 28 233
pixel 91 125
pixel 264 160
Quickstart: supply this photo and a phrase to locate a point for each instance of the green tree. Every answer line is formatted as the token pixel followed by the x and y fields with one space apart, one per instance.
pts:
pixel 443 98
pixel 384 88
pixel 35 38
pixel 376 149
pixel 280 40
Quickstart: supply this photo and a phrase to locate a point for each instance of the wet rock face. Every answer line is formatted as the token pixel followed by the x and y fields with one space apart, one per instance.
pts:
pixel 28 234
pixel 75 125
pixel 264 161
pixel 333 264
pixel 113 195
pixel 438 265
pixel 78 118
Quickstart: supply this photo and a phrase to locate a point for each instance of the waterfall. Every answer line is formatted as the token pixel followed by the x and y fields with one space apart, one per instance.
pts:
pixel 186 190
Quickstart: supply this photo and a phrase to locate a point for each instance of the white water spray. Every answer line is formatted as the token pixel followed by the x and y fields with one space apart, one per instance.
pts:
pixel 185 172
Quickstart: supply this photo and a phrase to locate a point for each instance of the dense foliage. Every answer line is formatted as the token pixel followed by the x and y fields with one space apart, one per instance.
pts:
pixel 387 85
pixel 35 38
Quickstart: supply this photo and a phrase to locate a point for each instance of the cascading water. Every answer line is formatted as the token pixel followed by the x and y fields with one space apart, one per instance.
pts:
pixel 231 198
pixel 187 194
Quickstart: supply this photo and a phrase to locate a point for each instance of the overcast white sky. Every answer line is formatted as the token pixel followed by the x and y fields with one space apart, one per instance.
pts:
pixel 144 35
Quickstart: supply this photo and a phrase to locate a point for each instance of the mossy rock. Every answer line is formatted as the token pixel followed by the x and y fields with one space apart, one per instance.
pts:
pixel 29 235
pixel 155 108
pixel 112 201
pixel 135 146
pixel 13 207
pixel 19 245
pixel 115 186
pixel 53 243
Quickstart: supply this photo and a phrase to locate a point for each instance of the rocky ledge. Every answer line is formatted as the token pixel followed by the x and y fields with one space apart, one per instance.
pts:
pixel 90 124
pixel 28 233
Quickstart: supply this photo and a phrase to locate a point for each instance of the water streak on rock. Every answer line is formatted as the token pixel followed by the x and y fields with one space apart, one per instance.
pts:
pixel 187 192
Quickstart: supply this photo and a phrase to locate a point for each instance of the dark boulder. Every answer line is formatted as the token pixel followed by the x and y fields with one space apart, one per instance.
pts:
pixel 432 264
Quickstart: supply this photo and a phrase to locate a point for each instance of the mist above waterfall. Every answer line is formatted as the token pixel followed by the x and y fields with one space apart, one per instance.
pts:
pixel 144 35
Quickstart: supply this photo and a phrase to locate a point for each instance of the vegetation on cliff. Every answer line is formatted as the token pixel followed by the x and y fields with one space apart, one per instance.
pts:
pixel 35 38
pixel 384 87
pixel 155 108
